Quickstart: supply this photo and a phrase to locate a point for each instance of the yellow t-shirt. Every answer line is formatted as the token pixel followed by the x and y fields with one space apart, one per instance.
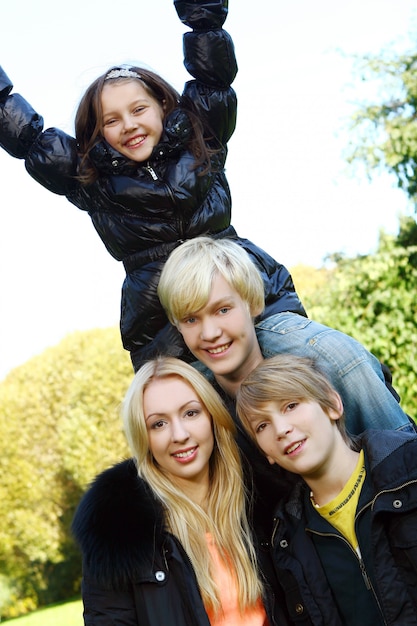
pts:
pixel 340 511
pixel 226 583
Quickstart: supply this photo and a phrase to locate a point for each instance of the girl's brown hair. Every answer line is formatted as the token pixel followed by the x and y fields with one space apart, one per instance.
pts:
pixel 88 119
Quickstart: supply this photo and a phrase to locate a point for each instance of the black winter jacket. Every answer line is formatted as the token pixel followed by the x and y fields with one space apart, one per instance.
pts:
pixel 143 211
pixel 386 528
pixel 134 571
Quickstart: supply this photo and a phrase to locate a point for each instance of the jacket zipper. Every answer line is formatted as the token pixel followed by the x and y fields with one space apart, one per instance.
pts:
pixel 155 176
pixel 362 567
pixel 380 493
pixel 357 554
pixel 151 172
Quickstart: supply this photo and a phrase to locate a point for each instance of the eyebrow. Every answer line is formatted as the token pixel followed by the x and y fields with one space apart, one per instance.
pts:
pixel 213 305
pixel 181 408
pixel 140 100
pixel 228 298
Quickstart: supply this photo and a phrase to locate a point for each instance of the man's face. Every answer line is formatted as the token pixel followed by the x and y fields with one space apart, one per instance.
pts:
pixel 221 334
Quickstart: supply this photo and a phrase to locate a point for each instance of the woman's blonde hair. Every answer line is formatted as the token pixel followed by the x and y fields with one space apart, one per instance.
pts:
pixel 225 517
pixel 187 277
pixel 286 377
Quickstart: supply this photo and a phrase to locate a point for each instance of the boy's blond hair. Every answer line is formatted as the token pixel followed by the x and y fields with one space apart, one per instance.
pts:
pixel 286 377
pixel 187 277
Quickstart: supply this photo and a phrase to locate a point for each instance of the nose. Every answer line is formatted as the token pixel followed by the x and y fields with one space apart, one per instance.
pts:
pixel 282 427
pixel 179 432
pixel 210 330
pixel 129 123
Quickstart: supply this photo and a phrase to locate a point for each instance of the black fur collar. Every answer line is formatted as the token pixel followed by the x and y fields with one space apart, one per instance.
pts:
pixel 119 527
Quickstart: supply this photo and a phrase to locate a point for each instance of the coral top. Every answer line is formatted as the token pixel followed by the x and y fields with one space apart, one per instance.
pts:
pixel 226 583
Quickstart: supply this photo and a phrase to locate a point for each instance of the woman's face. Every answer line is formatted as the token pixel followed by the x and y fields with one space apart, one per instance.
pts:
pixel 132 119
pixel 180 431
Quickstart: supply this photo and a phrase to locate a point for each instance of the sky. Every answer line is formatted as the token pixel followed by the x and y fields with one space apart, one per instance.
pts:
pixel 292 192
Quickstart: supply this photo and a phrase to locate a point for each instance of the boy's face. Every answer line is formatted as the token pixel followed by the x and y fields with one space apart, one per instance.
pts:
pixel 298 436
pixel 222 335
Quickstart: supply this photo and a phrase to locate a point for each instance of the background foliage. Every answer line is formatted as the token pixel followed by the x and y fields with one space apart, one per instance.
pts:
pixel 383 131
pixel 373 299
pixel 59 427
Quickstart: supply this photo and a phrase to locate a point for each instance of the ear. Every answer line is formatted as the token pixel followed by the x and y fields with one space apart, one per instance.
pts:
pixel 270 460
pixel 255 312
pixel 336 413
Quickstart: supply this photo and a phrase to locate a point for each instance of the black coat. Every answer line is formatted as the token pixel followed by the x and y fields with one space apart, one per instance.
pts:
pixel 142 212
pixel 386 528
pixel 134 571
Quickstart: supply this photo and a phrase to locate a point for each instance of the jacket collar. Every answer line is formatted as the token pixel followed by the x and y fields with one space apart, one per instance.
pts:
pixel 380 447
pixel 119 526
pixel 175 136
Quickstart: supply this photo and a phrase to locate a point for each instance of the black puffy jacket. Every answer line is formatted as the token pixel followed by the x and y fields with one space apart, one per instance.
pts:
pixel 134 571
pixel 143 211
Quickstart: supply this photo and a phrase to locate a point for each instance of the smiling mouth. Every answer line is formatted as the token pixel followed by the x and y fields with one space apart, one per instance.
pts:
pixel 220 349
pixel 134 143
pixel 186 454
pixel 294 447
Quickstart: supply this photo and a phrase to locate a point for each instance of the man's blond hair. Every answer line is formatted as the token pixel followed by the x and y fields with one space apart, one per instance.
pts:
pixel 187 277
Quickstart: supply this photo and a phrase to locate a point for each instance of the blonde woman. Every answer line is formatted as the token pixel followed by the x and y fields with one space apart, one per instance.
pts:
pixel 165 536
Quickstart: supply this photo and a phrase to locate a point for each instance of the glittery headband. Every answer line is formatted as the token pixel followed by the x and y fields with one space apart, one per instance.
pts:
pixel 122 73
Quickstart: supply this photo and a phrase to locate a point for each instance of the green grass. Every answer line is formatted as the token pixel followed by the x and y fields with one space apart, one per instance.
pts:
pixel 68 614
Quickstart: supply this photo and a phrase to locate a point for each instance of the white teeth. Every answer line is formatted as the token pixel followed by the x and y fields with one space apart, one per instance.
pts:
pixel 135 142
pixel 294 447
pixel 184 455
pixel 218 350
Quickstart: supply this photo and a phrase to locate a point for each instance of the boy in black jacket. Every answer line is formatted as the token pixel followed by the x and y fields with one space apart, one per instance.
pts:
pixel 350 526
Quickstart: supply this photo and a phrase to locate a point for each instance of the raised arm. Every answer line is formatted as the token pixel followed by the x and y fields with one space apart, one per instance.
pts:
pixel 209 57
pixel 50 156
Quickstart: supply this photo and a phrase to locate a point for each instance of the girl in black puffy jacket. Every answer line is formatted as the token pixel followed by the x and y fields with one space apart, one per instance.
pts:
pixel 148 166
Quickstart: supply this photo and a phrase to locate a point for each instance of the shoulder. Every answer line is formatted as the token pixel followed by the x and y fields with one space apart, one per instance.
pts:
pixel 117 500
pixel 386 448
pixel 382 443
pixel 117 522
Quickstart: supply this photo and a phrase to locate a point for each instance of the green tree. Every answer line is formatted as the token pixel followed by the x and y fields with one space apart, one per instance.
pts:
pixel 383 131
pixel 59 427
pixel 373 299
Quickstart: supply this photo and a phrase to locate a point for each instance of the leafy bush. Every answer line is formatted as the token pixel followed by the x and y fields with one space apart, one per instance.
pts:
pixel 373 299
pixel 59 427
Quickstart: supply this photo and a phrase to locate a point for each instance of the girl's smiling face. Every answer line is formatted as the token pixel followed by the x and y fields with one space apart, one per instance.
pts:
pixel 180 431
pixel 132 119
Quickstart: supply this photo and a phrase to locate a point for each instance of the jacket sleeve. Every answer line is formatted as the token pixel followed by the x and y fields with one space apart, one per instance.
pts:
pixel 280 293
pixel 103 607
pixel 50 156
pixel 209 57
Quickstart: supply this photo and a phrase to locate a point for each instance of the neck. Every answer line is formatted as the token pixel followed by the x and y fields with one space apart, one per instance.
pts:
pixel 327 485
pixel 229 386
pixel 231 382
pixel 197 491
